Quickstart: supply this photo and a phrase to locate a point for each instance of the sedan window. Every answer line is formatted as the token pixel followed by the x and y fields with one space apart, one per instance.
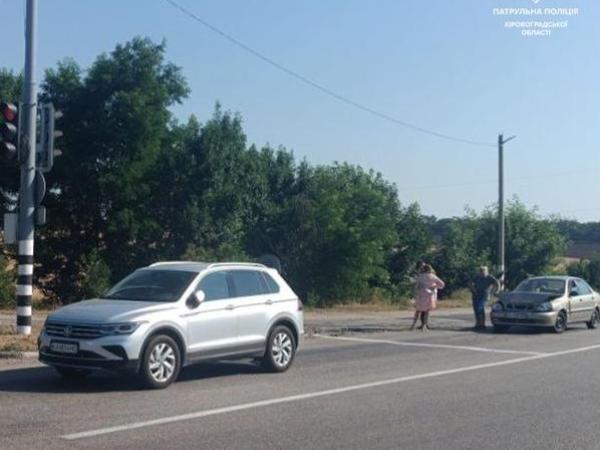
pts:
pixel 543 286
pixel 574 290
pixel 583 287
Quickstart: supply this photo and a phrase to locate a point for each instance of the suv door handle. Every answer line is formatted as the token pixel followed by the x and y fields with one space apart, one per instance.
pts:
pixel 230 307
pixel 269 302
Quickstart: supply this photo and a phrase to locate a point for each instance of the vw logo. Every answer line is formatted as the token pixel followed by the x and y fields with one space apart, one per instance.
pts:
pixel 68 330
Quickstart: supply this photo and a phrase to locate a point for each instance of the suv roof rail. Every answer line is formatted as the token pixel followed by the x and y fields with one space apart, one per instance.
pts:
pixel 164 263
pixel 247 264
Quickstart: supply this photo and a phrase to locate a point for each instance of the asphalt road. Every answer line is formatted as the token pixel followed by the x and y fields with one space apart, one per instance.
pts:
pixel 446 389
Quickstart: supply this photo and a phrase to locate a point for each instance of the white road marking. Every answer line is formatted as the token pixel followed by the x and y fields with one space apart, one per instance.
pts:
pixel 428 345
pixel 316 394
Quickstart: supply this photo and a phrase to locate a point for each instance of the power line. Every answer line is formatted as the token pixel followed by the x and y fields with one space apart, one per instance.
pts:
pixel 322 88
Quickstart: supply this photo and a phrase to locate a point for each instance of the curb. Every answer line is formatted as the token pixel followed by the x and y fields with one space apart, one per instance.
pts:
pixel 18 355
pixel 351 329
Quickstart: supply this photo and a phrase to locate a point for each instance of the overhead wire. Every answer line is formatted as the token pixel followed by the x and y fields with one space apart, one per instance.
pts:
pixel 325 90
pixel 331 93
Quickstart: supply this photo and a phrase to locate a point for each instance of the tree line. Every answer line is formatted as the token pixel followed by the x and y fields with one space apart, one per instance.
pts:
pixel 134 185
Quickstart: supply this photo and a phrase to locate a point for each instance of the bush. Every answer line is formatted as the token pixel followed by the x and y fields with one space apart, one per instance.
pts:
pixel 588 269
pixel 95 275
pixel 7 285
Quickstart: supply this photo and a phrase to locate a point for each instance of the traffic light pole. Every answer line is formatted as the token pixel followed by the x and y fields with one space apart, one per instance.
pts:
pixel 27 188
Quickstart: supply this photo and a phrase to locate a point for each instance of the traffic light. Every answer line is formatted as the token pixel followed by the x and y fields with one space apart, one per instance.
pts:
pixel 48 133
pixel 9 130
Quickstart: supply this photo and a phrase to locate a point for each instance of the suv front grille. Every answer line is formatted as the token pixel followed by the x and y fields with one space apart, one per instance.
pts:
pixel 76 331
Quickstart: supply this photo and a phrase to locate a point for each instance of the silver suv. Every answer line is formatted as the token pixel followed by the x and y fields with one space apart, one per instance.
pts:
pixel 171 314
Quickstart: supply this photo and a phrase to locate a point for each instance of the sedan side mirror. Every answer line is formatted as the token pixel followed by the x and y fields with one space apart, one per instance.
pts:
pixel 196 299
pixel 573 293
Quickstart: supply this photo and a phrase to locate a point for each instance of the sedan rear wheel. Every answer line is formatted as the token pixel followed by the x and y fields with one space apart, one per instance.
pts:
pixel 594 321
pixel 561 322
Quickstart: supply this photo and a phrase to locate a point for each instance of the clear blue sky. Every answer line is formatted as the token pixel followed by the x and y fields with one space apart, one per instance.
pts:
pixel 445 65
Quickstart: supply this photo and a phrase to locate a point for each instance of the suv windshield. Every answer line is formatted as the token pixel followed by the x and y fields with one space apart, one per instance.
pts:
pixel 542 285
pixel 151 285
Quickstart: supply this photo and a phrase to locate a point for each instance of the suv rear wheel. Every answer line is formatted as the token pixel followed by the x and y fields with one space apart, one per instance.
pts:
pixel 281 349
pixel 161 362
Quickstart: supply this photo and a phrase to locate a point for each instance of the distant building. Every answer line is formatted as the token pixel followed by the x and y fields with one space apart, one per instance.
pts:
pixel 577 250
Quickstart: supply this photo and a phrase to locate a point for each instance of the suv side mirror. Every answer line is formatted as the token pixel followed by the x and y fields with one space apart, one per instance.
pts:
pixel 573 293
pixel 196 299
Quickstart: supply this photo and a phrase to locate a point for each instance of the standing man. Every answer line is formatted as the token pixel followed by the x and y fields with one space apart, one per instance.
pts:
pixel 482 288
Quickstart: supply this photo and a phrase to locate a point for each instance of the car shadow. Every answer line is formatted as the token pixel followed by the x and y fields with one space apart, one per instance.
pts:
pixel 46 381
pixel 514 330
pixel 489 330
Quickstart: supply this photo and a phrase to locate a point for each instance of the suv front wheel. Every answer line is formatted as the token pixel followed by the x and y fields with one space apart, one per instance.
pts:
pixel 281 349
pixel 161 362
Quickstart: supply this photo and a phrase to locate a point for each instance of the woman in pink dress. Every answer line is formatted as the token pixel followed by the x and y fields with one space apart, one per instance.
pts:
pixel 426 299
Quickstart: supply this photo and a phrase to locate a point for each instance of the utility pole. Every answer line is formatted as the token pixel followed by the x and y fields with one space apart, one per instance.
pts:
pixel 27 188
pixel 501 221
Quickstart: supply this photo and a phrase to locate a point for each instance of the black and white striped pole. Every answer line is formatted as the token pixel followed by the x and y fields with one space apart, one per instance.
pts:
pixel 27 188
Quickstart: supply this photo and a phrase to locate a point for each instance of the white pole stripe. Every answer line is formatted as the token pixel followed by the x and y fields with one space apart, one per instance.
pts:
pixel 24 311
pixel 25 269
pixel 23 329
pixel 26 247
pixel 24 289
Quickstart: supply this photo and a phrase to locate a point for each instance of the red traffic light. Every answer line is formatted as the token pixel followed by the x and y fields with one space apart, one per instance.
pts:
pixel 9 132
pixel 9 111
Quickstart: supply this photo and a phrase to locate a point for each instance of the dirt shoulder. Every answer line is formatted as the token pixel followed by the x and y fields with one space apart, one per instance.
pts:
pixel 13 345
pixel 338 321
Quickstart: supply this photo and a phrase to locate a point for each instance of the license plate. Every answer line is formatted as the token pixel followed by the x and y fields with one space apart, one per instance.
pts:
pixel 516 315
pixel 64 347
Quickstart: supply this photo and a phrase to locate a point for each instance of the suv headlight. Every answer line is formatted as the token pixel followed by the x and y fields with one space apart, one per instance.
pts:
pixel 544 307
pixel 119 328
pixel 497 307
